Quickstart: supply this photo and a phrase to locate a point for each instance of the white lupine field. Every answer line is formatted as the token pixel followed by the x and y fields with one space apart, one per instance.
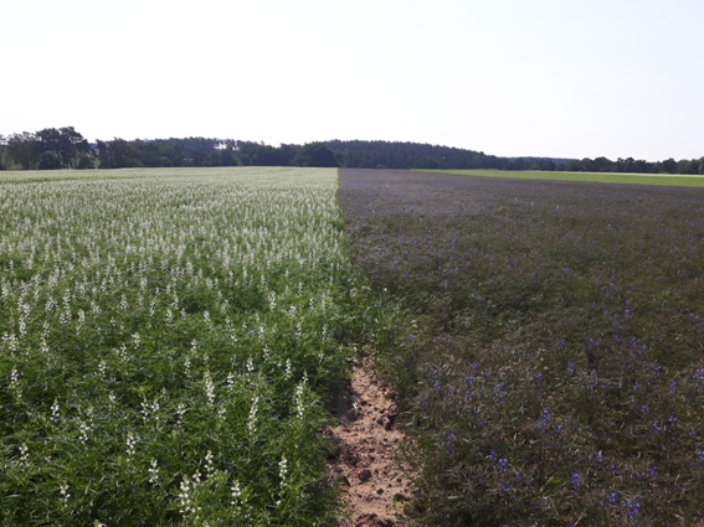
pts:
pixel 167 337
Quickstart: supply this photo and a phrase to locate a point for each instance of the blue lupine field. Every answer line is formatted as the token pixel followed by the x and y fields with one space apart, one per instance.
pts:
pixel 547 344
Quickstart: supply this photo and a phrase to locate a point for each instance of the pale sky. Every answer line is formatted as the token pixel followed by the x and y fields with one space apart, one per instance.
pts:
pixel 560 78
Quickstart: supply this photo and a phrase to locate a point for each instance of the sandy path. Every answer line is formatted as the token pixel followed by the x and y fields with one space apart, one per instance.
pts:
pixel 373 487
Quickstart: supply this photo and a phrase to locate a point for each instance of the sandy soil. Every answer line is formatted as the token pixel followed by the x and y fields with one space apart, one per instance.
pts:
pixel 374 486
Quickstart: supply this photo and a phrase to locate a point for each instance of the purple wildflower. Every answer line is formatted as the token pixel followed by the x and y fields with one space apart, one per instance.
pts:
pixel 671 422
pixel 468 390
pixel 700 457
pixel 499 391
pixel 610 501
pixel 450 444
pixel 599 459
pixel 436 380
pixel 594 379
pixel 576 481
pixel 545 423
pixel 632 510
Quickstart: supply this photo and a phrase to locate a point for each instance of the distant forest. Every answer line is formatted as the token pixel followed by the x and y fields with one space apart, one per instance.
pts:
pixel 56 148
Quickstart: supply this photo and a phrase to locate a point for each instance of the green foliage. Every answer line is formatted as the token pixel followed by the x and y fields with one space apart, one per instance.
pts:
pixel 266 155
pixel 21 149
pixel 118 153
pixel 66 148
pixel 50 148
pixel 169 340
pixel 316 155
pixel 624 179
pixel 49 161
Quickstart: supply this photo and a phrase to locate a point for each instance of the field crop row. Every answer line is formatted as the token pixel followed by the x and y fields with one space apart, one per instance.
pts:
pixel 545 339
pixel 167 341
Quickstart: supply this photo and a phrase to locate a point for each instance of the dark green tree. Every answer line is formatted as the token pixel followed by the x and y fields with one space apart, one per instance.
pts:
pixel 227 157
pixel 118 153
pixel 669 166
pixel 516 164
pixel 324 157
pixel 3 150
pixel 602 164
pixel 317 155
pixel 22 150
pixel 428 163
pixel 642 166
pixel 49 161
pixel 61 148
pixel 267 155
pixel 685 166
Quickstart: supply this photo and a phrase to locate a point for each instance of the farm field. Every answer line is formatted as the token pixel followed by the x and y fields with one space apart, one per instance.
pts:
pixel 597 177
pixel 545 340
pixel 169 338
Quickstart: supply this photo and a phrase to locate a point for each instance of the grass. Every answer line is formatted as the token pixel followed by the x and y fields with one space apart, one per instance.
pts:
pixel 169 338
pixel 546 347
pixel 625 179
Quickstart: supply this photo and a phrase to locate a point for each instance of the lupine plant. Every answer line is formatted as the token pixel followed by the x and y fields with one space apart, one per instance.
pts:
pixel 549 361
pixel 168 340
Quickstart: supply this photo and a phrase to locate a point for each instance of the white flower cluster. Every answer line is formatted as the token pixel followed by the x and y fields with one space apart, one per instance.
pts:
pixel 115 263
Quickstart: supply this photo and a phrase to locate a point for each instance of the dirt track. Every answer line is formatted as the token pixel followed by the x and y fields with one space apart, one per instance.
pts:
pixel 373 487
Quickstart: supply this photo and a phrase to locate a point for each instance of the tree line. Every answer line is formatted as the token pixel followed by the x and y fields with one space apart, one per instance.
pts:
pixel 49 148
pixel 62 148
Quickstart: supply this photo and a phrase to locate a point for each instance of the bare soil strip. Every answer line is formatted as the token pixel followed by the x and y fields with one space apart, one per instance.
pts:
pixel 373 484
